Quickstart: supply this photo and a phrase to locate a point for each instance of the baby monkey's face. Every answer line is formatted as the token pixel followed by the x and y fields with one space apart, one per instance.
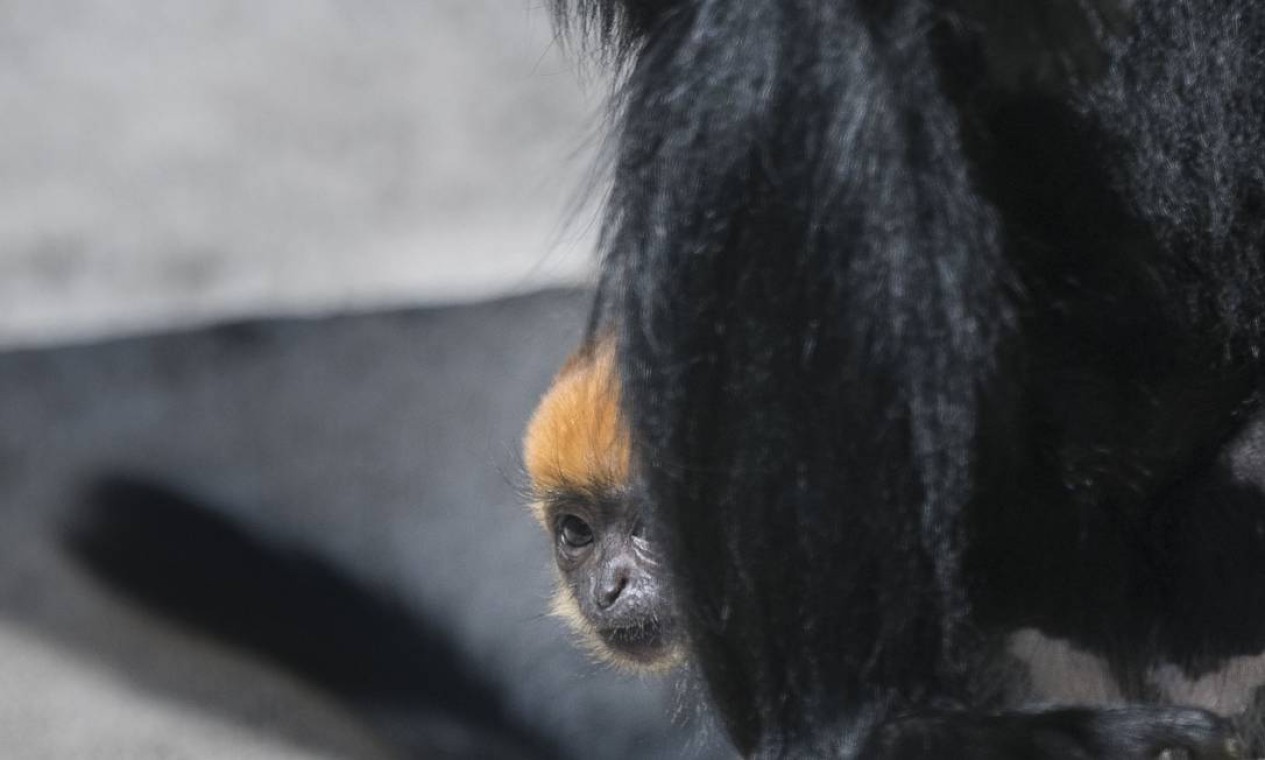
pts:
pixel 611 577
pixel 611 588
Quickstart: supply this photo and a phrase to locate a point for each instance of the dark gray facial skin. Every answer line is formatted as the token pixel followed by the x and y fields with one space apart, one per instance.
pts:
pixel 613 576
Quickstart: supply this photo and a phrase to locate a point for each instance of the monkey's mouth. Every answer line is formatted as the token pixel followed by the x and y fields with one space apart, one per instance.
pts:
pixel 645 642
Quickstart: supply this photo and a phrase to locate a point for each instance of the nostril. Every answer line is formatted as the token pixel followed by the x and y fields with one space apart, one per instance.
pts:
pixel 611 587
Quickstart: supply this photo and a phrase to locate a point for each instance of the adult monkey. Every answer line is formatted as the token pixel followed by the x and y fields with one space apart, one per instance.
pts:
pixel 938 321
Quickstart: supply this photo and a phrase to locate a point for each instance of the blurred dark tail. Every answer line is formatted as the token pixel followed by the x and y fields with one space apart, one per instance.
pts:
pixel 189 563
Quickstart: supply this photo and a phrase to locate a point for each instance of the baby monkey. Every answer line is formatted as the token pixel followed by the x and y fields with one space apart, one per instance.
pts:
pixel 610 586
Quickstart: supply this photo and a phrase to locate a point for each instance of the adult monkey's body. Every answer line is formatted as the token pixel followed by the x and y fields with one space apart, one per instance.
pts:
pixel 937 322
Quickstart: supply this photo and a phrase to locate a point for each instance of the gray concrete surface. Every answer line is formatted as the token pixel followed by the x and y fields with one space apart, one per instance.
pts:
pixel 59 704
pixel 172 162
pixel 385 442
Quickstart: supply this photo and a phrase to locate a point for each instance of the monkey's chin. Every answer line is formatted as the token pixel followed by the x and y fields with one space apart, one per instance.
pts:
pixel 646 645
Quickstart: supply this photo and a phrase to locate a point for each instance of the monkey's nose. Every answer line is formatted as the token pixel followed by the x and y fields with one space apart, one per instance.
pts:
pixel 611 586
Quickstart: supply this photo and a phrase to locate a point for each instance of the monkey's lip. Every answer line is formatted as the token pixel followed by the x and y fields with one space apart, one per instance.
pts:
pixel 643 642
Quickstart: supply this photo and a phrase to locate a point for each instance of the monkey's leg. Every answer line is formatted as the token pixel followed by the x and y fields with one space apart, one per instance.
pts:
pixel 1141 733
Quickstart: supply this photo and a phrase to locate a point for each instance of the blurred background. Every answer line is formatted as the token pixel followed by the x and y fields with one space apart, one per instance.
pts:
pixel 308 264
pixel 174 162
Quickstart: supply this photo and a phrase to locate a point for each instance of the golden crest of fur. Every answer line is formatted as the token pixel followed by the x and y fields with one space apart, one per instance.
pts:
pixel 575 440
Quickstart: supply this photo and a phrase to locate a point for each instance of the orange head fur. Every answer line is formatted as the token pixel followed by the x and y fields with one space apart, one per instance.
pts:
pixel 576 439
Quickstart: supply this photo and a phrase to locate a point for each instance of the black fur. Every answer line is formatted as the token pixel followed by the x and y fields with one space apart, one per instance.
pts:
pixel 927 311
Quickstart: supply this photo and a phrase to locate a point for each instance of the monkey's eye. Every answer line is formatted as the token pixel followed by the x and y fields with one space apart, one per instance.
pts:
pixel 574 532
